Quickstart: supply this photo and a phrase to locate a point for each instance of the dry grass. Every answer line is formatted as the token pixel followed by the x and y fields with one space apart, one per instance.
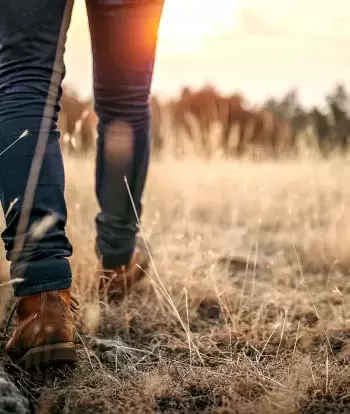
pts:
pixel 255 259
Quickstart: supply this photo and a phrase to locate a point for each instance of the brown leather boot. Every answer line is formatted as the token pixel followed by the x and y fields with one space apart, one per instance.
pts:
pixel 45 329
pixel 117 283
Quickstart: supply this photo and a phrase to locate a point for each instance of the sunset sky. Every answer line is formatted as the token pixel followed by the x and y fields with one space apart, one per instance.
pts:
pixel 258 47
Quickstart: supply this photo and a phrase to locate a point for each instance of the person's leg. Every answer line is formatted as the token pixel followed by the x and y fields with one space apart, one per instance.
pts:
pixel 30 75
pixel 124 36
pixel 29 35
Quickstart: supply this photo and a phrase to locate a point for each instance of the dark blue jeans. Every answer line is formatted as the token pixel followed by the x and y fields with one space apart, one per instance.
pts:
pixel 124 37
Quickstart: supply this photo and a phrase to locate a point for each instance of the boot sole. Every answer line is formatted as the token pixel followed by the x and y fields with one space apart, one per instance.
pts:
pixel 55 354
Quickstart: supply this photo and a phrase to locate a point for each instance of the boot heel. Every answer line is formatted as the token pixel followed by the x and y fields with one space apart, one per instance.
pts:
pixel 62 353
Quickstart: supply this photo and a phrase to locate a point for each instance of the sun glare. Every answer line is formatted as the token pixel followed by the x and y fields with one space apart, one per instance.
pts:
pixel 187 23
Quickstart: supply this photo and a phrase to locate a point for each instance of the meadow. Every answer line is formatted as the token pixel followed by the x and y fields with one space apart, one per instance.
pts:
pixel 245 308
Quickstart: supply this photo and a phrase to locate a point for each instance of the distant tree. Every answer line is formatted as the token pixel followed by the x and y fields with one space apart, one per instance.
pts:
pixel 289 104
pixel 339 98
pixel 339 107
pixel 285 108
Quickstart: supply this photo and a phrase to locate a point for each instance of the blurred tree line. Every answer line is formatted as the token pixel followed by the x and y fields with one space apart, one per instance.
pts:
pixel 331 125
pixel 206 122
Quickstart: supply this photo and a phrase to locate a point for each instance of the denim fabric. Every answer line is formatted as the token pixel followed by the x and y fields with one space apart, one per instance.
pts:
pixel 123 38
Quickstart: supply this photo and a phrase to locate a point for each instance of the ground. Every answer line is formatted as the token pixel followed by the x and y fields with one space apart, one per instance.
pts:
pixel 245 308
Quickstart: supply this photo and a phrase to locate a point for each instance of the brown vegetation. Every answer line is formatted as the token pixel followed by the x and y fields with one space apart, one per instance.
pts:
pixel 205 123
pixel 77 123
pixel 239 128
pixel 246 307
pixel 253 315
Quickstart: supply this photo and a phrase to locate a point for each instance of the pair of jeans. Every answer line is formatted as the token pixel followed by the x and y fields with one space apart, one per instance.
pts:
pixel 32 35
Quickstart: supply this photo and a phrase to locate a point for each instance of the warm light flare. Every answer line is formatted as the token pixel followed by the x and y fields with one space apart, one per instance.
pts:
pixel 188 23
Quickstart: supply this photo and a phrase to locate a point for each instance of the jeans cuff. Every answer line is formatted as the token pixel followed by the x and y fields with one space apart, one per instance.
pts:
pixel 42 276
pixel 112 261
